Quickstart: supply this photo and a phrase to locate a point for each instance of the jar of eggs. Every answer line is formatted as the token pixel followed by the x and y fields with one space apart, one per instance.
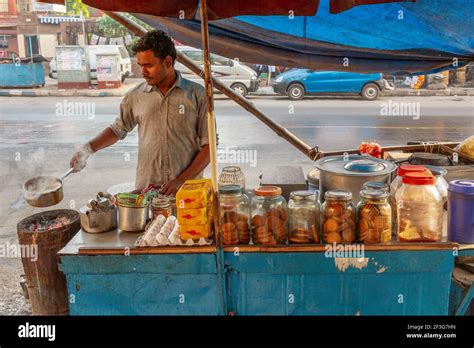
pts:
pixel 303 212
pixel 269 216
pixel 339 216
pixel 374 217
pixel 234 215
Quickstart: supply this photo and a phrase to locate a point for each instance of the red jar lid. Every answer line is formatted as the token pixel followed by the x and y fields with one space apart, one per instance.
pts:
pixel 410 168
pixel 419 179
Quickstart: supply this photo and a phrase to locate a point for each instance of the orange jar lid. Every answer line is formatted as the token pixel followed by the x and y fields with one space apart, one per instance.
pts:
pixel 419 179
pixel 268 191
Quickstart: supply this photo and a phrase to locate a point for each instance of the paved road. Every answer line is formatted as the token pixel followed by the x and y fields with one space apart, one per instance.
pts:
pixel 38 136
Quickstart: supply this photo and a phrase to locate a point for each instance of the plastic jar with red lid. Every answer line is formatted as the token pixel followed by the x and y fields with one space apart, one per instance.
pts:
pixel 419 209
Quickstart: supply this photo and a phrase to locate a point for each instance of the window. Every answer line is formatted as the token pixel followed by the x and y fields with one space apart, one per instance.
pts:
pixel 220 61
pixel 3 5
pixel 195 56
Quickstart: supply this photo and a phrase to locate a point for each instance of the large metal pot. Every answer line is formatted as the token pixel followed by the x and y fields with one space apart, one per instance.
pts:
pixel 350 172
pixel 133 219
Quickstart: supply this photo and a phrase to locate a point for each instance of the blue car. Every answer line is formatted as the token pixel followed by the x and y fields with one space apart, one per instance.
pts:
pixel 297 83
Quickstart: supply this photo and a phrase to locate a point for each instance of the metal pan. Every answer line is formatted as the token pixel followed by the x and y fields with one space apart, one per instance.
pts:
pixel 44 191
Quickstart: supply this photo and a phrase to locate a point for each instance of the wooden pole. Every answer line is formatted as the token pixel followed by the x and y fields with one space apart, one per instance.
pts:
pixel 311 152
pixel 211 118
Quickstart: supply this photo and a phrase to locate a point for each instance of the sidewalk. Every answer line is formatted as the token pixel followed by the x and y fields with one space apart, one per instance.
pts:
pixel 51 90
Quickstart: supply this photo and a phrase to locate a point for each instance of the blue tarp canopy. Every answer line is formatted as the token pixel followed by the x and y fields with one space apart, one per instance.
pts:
pixel 407 37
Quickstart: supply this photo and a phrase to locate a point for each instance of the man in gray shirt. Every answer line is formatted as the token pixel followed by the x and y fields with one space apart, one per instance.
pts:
pixel 171 115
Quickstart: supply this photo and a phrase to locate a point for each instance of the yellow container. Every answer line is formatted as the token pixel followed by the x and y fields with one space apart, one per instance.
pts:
pixel 194 194
pixel 195 231
pixel 199 216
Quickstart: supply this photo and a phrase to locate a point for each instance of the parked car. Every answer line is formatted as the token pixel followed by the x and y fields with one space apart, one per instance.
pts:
pixel 297 83
pixel 93 50
pixel 231 72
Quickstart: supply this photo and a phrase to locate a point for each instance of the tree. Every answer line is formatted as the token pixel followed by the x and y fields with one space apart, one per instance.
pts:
pixel 77 7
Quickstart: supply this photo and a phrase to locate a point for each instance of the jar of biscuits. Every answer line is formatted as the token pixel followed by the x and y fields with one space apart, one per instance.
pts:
pixel 303 213
pixel 374 217
pixel 269 216
pixel 234 215
pixel 338 214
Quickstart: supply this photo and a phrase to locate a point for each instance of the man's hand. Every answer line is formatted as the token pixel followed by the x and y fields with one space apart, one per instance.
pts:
pixel 171 187
pixel 79 160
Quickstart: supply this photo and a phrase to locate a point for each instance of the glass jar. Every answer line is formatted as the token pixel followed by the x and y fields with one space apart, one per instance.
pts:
pixel 338 215
pixel 419 209
pixel 234 215
pixel 160 206
pixel 374 216
pixel 376 185
pixel 303 213
pixel 232 175
pixel 269 216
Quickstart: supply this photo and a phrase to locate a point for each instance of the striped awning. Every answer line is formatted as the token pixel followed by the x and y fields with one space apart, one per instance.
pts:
pixel 58 19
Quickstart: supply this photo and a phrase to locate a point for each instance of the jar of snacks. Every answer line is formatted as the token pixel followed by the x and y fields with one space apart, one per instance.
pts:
pixel 234 215
pixel 269 216
pixel 375 217
pixel 303 213
pixel 419 209
pixel 160 206
pixel 376 185
pixel 338 213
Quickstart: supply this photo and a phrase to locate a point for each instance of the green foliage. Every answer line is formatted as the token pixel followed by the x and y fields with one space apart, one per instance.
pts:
pixel 76 7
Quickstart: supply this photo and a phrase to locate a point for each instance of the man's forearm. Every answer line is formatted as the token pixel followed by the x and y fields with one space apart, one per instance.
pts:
pixel 199 163
pixel 106 138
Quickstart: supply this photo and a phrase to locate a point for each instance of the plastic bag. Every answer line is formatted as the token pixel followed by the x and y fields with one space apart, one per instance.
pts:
pixel 466 147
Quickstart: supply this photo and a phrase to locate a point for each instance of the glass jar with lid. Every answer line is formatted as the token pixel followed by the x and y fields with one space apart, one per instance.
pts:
pixel 338 217
pixel 441 183
pixel 374 216
pixel 269 216
pixel 160 206
pixel 234 215
pixel 376 185
pixel 232 175
pixel 303 213
pixel 419 209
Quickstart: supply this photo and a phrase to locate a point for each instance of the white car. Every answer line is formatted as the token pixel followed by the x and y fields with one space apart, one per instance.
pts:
pixel 93 50
pixel 231 72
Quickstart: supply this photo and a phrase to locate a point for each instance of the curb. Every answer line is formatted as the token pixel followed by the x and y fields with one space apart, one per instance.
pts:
pixel 100 93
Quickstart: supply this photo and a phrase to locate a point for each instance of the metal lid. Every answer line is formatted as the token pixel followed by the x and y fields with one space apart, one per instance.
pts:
pixel 303 195
pixel 373 194
pixel 437 171
pixel 340 195
pixel 268 191
pixel 419 179
pixel 376 185
pixel 230 189
pixel 463 186
pixel 355 165
pixel 364 166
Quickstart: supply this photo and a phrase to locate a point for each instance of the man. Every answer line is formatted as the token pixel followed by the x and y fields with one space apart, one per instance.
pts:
pixel 171 115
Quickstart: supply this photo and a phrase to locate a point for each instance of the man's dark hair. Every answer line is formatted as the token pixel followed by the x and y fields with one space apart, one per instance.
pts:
pixel 157 41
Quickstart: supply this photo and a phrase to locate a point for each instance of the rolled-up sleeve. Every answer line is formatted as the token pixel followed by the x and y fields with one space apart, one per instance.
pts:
pixel 203 131
pixel 126 121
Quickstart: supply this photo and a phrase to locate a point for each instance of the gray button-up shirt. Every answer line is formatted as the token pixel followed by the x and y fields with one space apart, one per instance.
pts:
pixel 172 128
